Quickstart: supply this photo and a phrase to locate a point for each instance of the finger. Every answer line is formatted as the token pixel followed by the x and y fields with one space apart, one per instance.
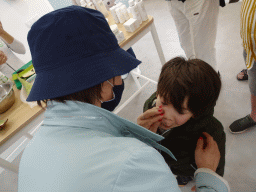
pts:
pixel 149 123
pixel 141 117
pixel 209 140
pixel 207 135
pixel 142 122
pixel 200 144
pixel 155 119
pixel 155 126
pixel 193 188
pixel 152 112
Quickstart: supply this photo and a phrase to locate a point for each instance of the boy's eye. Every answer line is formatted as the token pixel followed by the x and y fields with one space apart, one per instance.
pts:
pixel 184 111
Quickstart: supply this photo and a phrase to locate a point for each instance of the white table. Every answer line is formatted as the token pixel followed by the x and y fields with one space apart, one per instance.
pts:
pixel 131 39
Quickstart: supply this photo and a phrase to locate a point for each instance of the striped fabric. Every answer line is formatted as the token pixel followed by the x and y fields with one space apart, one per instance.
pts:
pixel 248 30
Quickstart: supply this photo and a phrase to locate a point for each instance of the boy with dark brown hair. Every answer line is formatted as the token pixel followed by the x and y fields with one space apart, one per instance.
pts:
pixel 187 92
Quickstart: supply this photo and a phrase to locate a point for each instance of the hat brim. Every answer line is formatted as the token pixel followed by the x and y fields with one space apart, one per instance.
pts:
pixel 81 74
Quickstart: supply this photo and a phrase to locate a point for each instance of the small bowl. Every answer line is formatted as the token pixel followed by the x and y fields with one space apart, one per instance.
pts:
pixel 7 96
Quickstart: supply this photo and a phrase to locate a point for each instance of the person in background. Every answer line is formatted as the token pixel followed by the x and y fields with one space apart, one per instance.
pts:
pixel 80 146
pixel 248 36
pixel 196 23
pixel 187 92
pixel 243 75
pixel 8 45
pixel 3 58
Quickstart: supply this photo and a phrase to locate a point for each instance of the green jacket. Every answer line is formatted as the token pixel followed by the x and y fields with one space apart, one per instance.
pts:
pixel 182 141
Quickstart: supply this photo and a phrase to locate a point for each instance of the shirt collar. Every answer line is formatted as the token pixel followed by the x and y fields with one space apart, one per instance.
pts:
pixel 79 114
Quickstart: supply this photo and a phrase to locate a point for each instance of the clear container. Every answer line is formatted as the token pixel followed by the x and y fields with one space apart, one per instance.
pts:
pixel 3 78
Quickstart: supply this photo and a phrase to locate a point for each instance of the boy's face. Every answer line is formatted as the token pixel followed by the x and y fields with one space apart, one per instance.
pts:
pixel 172 118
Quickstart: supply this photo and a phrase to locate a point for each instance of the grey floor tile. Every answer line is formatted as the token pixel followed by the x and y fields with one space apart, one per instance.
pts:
pixel 8 179
pixel 239 181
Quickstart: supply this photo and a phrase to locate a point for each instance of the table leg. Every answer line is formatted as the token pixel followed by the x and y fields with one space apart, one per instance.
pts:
pixel 131 98
pixel 135 79
pixel 157 44
pixel 7 165
pixel 29 136
pixel 143 77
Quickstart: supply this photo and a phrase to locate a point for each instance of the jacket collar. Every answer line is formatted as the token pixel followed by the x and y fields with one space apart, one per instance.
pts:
pixel 79 114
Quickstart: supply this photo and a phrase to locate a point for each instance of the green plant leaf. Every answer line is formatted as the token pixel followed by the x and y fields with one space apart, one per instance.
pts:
pixel 27 86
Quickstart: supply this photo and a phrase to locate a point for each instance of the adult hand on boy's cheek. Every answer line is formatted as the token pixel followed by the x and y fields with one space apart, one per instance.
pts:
pixel 207 154
pixel 151 119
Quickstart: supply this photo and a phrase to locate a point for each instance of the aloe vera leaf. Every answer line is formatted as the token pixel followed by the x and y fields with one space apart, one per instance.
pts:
pixel 2 122
pixel 27 85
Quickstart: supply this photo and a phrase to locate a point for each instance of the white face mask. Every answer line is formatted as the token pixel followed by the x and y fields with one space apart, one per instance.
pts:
pixel 113 94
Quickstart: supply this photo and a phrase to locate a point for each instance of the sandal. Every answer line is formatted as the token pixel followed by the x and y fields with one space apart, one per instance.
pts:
pixel 245 77
pixel 242 124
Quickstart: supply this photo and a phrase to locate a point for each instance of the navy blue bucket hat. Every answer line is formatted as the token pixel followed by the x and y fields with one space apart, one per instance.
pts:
pixel 74 49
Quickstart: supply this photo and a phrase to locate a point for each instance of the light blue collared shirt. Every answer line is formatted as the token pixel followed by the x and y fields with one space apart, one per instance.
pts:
pixel 81 147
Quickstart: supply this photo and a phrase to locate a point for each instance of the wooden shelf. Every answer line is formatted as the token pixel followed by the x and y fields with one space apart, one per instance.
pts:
pixel 19 115
pixel 129 36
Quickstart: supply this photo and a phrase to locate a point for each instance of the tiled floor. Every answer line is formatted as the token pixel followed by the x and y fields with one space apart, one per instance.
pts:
pixel 233 103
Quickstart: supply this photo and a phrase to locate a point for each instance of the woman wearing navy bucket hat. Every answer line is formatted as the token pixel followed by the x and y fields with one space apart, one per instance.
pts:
pixel 80 146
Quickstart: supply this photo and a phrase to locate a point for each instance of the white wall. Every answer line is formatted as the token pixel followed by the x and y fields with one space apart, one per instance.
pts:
pixel 60 4
pixel 15 13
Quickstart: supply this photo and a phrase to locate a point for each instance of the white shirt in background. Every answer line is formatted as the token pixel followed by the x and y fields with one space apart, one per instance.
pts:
pixel 12 59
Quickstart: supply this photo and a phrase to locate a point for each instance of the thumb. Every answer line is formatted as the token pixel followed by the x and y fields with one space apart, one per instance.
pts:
pixel 200 143
pixel 155 126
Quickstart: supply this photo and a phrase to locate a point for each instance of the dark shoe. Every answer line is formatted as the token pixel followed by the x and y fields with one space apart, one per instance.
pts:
pixel 245 77
pixel 183 180
pixel 242 124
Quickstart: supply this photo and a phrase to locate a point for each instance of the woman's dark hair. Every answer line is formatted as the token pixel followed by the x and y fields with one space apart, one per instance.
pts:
pixel 89 95
pixel 193 78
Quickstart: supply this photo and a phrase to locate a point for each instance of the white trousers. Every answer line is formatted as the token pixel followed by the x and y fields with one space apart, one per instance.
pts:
pixel 196 23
